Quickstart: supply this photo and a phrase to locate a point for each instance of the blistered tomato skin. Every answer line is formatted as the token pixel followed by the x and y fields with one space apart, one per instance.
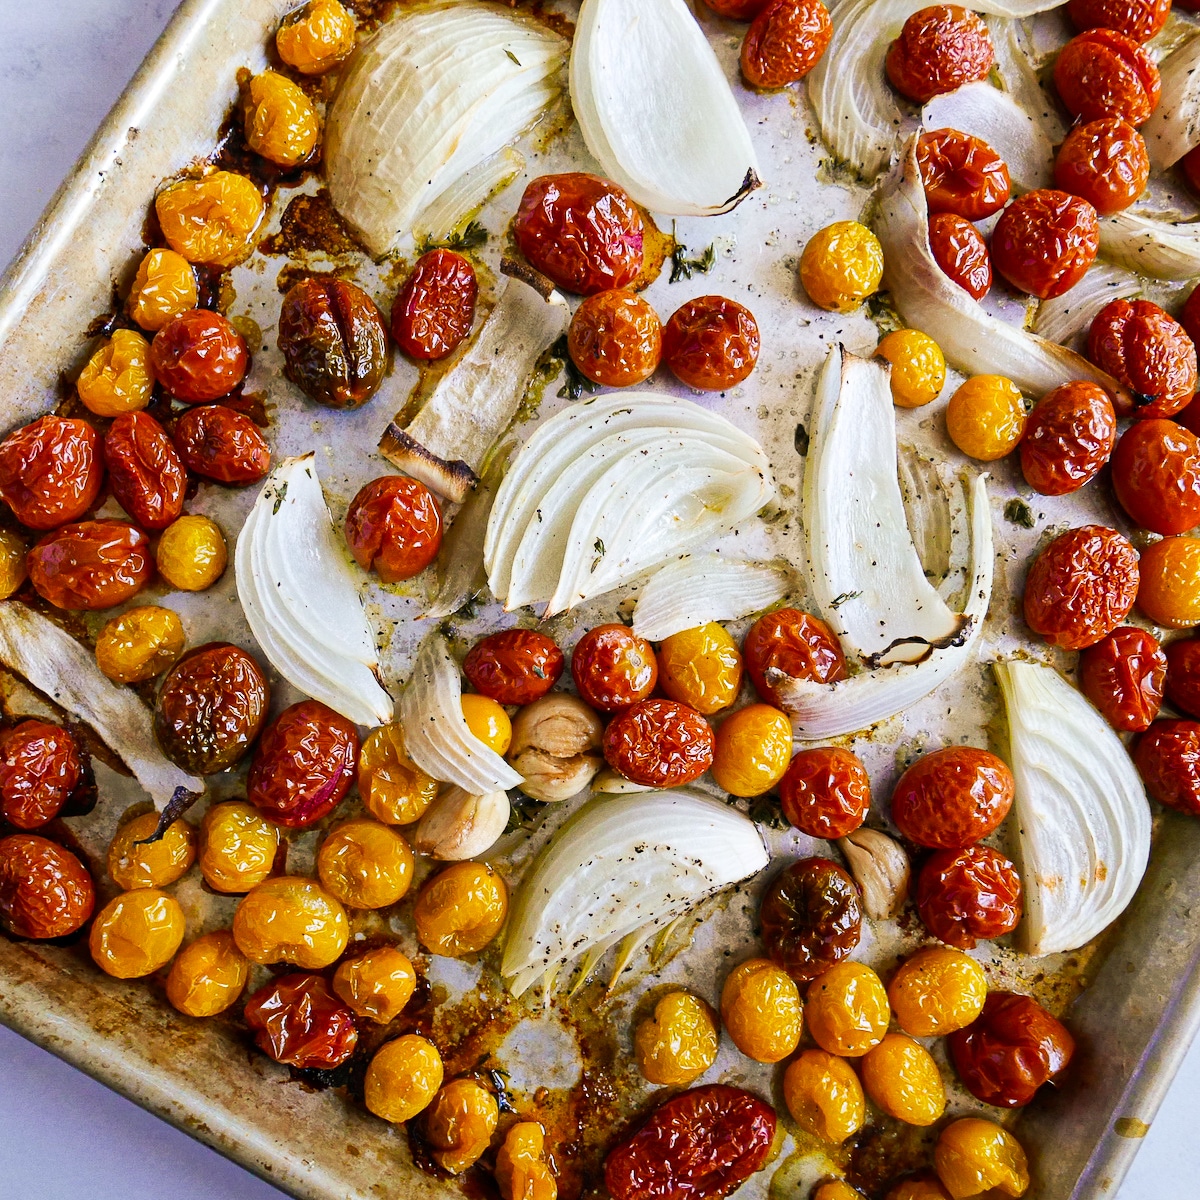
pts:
pixel 841 266
pixel 1167 757
pixel 376 985
pixel 937 991
pixel 12 563
pixel 615 338
pixel 701 667
pixel 211 220
pixel 952 798
pixel 41 766
pixel 959 249
pixel 117 378
pixel 45 891
pixel 824 1096
pixel 394 526
pixel 297 1020
pixel 711 343
pixel 94 564
pixel 316 37
pixel 660 743
pixel 918 367
pixel 1169 591
pixel 198 356
pixel 136 933
pixel 1045 241
pixel 961 174
pixel 761 1010
pixel 140 643
pixel 192 554
pixel 1183 675
pixel 523 1168
pixel 785 41
pixel 846 1009
pixel 145 474
pixel 1103 73
pixel 436 306
pixel 795 645
pixel 403 1078
pixel 459 1123
pixel 702 1144
pixel 582 231
pixel 613 668
pixel 208 975
pixel 365 864
pixel 1104 162
pixel 1123 675
pixel 939 49
pixel 135 862
pixel 969 895
pixel 811 917
pixel 1138 19
pixel 737 10
pixel 1156 475
pixel 51 471
pixel 976 1157
pixel 165 286
pixel 514 666
pixel 986 417
pixel 900 1077
pixel 487 721
pixel 279 120
pixel 752 751
pixel 237 847
pixel 678 1042
pixel 290 919
pixel 825 792
pixel 461 909
pixel 1081 586
pixel 1068 437
pixel 221 444
pixel 393 788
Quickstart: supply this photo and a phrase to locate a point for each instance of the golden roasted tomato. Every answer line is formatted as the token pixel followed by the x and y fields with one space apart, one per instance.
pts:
pixel 376 985
pixel 752 749
pixel 679 1042
pixel 211 220
pixel 701 667
pixel 164 287
pixel 921 1188
pixel 986 417
pixel 761 1010
pixel 365 864
pixel 191 553
pixel 290 919
pixel 937 991
pixel 900 1077
pixel 280 121
pixel 117 378
pixel 393 788
pixel 139 644
pixel 615 338
pixel 208 975
pixel 151 864
pixel 459 1124
pixel 402 1078
pixel 841 266
pixel 918 367
pixel 836 1189
pixel 1169 591
pixel 824 1096
pixel 846 1009
pixel 460 909
pixel 237 847
pixel 974 1156
pixel 522 1170
pixel 316 37
pixel 136 933
pixel 12 563
pixel 488 721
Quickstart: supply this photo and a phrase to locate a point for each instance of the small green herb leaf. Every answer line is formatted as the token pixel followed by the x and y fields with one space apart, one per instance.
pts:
pixel 280 496
pixel 802 440
pixel 599 549
pixel 1019 513
pixel 838 601
pixel 512 56
pixel 683 267
pixel 577 382
pixel 470 237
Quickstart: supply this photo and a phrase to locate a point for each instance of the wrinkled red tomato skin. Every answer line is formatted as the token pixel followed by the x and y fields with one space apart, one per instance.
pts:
pixel 222 445
pixel 1148 351
pixel 582 231
pixel 1045 241
pixel 1010 1050
pixel 1183 675
pixel 964 896
pixel 298 1020
pixel 434 310
pixel 811 917
pixel 794 643
pixel 1123 675
pixel 1103 73
pixel 939 49
pixel 514 666
pixel 51 471
pixel 93 564
pixel 826 792
pixel 699 1145
pixel 613 668
pixel 952 798
pixel 737 10
pixel 40 766
pixel 45 891
pixel 961 174
pixel 145 473
pixel 1137 19
pixel 711 343
pixel 199 356
pixel 959 249
pixel 1069 436
pixel 1104 162
pixel 1081 586
pixel 615 338
pixel 1167 757
pixel 394 526
pixel 660 743
pixel 303 765
pixel 784 42
pixel 1156 475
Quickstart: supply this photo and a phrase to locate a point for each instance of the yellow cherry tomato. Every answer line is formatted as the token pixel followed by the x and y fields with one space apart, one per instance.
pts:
pixel 679 1042
pixel 402 1078
pixel 752 751
pixel 900 1077
pixel 191 553
pixel 12 563
pixel 986 417
pixel 918 1189
pixel 293 920
pixel 918 368
pixel 165 286
pixel 760 1008
pixel 974 1156
pixel 1169 591
pixel 117 378
pixel 393 788
pixel 208 975
pixel 488 721
pixel 459 1124
pixel 522 1172
pixel 701 667
pixel 365 864
pixel 136 933
pixel 211 220
pixel 459 910
pixel 836 1189
pixel 823 1095
pixel 316 37
pixel 376 985
pixel 140 643
pixel 841 266
pixel 281 123
pixel 937 991
pixel 237 847
pixel 152 864
pixel 846 1009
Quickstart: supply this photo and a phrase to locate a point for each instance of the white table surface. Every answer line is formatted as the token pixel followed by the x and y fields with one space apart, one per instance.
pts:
pixel 62 1135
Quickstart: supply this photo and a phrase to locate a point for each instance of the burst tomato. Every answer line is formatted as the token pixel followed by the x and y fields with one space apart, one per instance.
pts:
pixel 434 310
pixel 94 564
pixel 613 667
pixel 394 525
pixel 1068 438
pixel 41 766
pixel 144 471
pixel 221 444
pixel 826 792
pixel 785 41
pixel 1045 241
pixel 199 356
pixel 961 174
pixel 1167 757
pixel 1104 162
pixel 1183 675
pixel 1123 675
pixel 811 917
pixel 1137 19
pixel 51 471
pixel 791 644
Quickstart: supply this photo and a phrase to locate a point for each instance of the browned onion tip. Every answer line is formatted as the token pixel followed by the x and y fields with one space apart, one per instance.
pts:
pixel 514 269
pixel 451 480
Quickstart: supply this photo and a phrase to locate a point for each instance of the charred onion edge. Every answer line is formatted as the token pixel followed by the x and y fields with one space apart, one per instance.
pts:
pixel 542 284
pixel 178 804
pixel 949 642
pixel 451 480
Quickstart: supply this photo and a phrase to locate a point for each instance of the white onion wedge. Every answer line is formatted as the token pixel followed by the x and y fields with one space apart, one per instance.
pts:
pixel 700 588
pixel 1066 316
pixel 436 734
pixel 463 198
pixel 298 593
pixel 656 109
pixel 619 866
pixel 436 92
pixel 1173 128
pixel 54 663
pixel 1017 71
pixel 971 339
pixel 1152 245
pixel 1080 807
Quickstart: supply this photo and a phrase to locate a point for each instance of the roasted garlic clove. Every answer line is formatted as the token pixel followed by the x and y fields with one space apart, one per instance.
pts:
pixel 548 777
pixel 458 825
pixel 613 783
pixel 880 868
pixel 560 724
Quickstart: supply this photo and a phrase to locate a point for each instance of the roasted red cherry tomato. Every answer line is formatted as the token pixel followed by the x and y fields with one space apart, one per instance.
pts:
pixel 582 231
pixel 45 891
pixel 303 765
pixel 394 525
pixel 660 743
pixel 1011 1049
pixel 962 174
pixel 1183 675
pixel 959 249
pixel 700 1144
pixel 711 343
pixel 1103 73
pixel 811 917
pixel 964 896
pixel 41 766
pixel 144 472
pixel 514 666
pixel 51 471
pixel 795 646
pixel 1045 241
pixel 434 310
pixel 1068 438
pixel 1156 475
pixel 784 42
pixel 1104 162
pixel 953 797
pixel 615 338
pixel 1081 586
pixel 198 356
pixel 737 10
pixel 94 564
pixel 825 792
pixel 1167 757
pixel 221 444
pixel 939 49
pixel 1123 675
pixel 298 1020
pixel 613 667
pixel 1137 19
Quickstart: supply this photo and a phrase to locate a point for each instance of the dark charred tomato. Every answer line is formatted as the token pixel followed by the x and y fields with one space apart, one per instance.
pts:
pixel 298 1020
pixel 1189 318
pixel 1104 162
pixel 1190 165
pixel 959 249
pixel 144 471
pixel 660 743
pixel 613 668
pixel 784 42
pixel 737 10
pixel 1123 675
pixel 198 356
pixel 1068 438
pixel 964 896
pixel 1045 241
pixel 939 49
pixel 303 765
pixel 51 471
pixel 953 797
pixel 711 343
pixel 1137 19
pixel 394 525
pixel 790 644
pixel 93 564
pixel 582 231
pixel 826 792
pixel 1156 475
pixel 1081 586
pixel 1148 351
pixel 615 338
pixel 514 666
pixel 700 1144
pixel 45 891
pixel 334 342
pixel 221 444
pixel 211 706
pixel 1167 757
pixel 962 174
pixel 1183 675
pixel 434 310
pixel 1103 73
pixel 41 765
pixel 1011 1049
pixel 811 917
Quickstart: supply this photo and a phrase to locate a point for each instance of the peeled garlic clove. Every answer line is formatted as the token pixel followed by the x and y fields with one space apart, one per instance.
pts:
pixel 459 825
pixel 613 783
pixel 880 868
pixel 551 777
pixel 559 724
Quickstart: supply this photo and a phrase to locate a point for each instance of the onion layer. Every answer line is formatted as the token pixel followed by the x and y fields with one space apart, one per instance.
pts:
pixel 1173 128
pixel 1152 245
pixel 1066 316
